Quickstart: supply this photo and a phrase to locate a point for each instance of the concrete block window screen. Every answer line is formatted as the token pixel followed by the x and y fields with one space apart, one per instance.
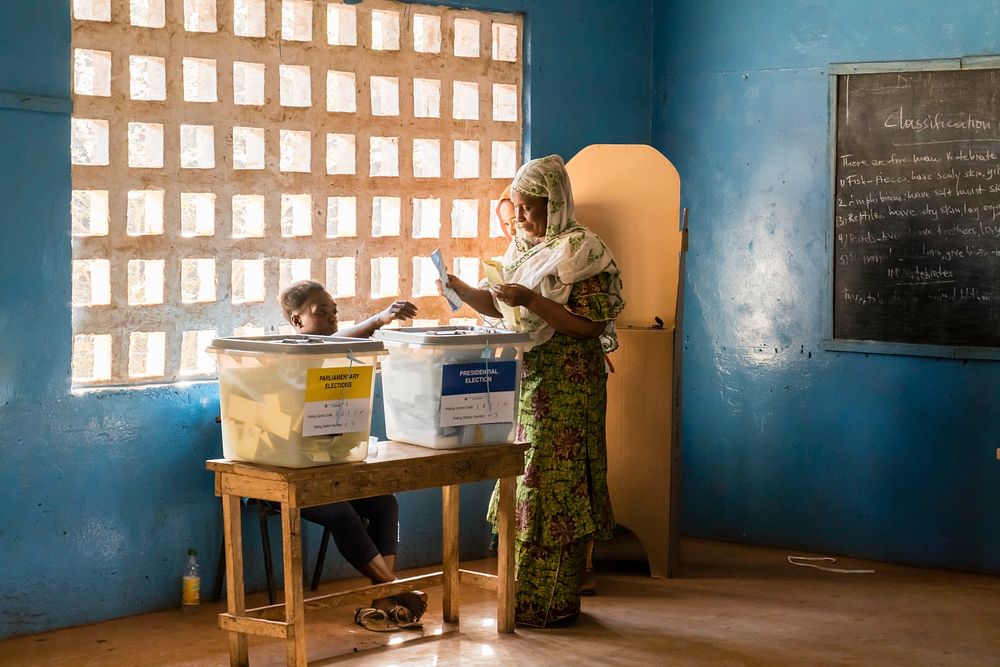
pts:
pixel 222 149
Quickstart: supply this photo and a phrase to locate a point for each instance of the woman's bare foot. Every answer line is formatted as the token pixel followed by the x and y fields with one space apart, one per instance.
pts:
pixel 415 601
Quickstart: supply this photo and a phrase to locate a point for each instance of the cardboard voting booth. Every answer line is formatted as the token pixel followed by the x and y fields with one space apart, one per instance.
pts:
pixel 630 196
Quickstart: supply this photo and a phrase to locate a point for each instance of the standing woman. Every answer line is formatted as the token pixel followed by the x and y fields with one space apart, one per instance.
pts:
pixel 568 287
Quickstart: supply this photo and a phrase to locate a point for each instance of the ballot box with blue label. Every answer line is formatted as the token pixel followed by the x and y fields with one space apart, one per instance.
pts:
pixel 448 387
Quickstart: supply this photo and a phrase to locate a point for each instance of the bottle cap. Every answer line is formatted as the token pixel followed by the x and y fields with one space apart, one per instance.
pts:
pixel 192 552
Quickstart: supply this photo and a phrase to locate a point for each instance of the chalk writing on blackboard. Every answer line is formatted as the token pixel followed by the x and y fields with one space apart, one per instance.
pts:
pixel 916 236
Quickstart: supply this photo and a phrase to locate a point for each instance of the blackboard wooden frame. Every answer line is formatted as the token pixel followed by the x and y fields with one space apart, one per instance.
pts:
pixel 835 71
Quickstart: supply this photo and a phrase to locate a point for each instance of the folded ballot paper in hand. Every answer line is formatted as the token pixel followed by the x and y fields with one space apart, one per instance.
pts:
pixel 451 295
pixel 494 275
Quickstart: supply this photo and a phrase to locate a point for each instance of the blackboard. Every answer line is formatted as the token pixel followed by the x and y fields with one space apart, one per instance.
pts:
pixel 916 219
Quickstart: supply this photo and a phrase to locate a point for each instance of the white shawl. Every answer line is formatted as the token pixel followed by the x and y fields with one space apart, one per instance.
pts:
pixel 568 254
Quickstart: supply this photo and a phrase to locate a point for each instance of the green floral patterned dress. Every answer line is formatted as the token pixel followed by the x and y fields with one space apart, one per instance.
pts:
pixel 562 499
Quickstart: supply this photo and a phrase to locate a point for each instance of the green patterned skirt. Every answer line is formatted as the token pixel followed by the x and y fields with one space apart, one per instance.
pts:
pixel 562 499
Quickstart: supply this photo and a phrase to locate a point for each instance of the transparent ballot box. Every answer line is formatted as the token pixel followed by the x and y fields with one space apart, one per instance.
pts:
pixel 448 387
pixel 295 401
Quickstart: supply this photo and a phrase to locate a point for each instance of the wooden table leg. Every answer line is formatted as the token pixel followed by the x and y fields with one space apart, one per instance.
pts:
pixel 449 539
pixel 232 522
pixel 505 556
pixel 291 545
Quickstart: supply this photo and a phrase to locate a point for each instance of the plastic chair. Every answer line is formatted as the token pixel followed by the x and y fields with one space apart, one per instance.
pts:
pixel 264 511
pixel 320 559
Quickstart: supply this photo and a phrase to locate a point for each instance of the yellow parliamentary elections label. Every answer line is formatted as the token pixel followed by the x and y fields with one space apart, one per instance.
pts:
pixel 340 383
pixel 338 400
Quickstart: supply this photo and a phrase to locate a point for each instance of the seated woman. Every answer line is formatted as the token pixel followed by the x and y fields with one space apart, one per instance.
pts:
pixel 371 551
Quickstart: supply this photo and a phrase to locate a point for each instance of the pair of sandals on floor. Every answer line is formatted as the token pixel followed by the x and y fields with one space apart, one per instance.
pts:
pixel 400 617
pixel 380 618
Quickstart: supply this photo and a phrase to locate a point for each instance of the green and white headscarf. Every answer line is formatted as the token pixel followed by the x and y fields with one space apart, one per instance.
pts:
pixel 568 254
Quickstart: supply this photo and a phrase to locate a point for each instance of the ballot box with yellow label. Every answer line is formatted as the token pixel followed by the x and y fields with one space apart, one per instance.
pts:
pixel 295 401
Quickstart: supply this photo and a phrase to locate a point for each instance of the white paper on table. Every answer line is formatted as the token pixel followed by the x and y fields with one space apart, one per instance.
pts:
pixel 451 295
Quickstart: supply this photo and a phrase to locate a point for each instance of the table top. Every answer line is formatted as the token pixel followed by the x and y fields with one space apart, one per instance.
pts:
pixel 390 453
pixel 397 467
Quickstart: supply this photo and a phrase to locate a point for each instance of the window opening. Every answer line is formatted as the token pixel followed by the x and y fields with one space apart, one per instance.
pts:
pixel 222 149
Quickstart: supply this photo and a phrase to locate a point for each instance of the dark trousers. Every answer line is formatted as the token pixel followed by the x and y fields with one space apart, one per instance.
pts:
pixel 358 543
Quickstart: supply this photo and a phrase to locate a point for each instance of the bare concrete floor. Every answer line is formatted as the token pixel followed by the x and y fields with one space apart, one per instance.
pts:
pixel 730 605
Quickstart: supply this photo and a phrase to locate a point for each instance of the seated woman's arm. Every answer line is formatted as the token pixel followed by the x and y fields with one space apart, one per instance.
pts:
pixel 555 314
pixel 399 310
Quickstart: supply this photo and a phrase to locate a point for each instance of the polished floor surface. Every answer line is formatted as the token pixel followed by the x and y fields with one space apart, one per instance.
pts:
pixel 730 605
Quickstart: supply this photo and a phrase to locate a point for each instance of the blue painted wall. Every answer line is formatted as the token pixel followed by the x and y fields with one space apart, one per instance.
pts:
pixel 887 457
pixel 102 493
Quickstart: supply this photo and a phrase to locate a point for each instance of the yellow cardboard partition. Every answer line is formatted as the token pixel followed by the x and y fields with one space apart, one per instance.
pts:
pixel 630 196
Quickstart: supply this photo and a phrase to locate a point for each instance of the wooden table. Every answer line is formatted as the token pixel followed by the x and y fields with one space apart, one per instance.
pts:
pixel 398 467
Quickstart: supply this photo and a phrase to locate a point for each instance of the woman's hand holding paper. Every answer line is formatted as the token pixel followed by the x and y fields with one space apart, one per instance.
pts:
pixel 513 294
pixel 460 286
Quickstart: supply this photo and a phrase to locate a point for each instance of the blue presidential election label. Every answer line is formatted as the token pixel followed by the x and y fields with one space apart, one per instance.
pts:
pixel 478 393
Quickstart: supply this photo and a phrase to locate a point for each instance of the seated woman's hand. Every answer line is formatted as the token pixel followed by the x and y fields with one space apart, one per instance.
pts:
pixel 399 310
pixel 513 294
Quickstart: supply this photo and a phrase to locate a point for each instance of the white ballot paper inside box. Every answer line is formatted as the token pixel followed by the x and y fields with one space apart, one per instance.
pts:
pixel 478 392
pixel 451 295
